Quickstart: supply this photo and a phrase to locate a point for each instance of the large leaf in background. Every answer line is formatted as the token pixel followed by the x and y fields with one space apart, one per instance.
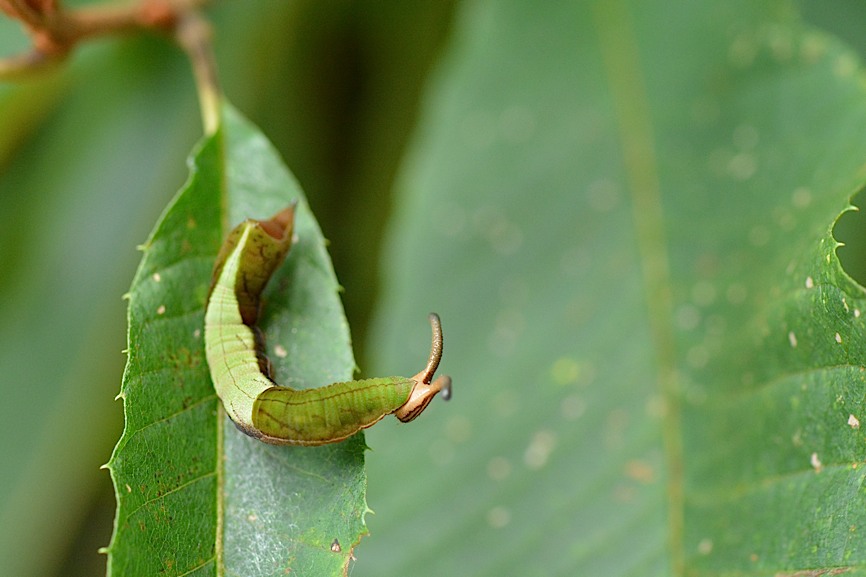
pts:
pixel 623 213
pixel 194 493
pixel 72 195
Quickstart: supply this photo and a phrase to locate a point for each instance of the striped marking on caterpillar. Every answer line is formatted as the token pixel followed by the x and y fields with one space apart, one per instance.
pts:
pixel 241 372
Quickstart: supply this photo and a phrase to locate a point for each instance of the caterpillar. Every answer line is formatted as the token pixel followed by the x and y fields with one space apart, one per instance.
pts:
pixel 241 372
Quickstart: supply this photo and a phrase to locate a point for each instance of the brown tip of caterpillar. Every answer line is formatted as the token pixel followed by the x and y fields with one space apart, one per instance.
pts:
pixel 424 391
pixel 435 349
pixel 421 395
pixel 281 224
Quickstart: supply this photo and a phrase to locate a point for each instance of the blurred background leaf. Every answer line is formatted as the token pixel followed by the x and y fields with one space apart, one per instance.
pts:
pixel 623 213
pixel 335 86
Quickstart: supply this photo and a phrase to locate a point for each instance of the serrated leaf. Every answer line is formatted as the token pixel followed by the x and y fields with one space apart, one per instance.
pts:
pixel 623 212
pixel 196 496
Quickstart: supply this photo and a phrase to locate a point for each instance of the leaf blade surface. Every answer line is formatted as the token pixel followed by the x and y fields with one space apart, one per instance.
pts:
pixel 622 212
pixel 196 495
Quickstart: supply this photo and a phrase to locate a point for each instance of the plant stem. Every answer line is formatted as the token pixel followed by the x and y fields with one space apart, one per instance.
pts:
pixel 193 33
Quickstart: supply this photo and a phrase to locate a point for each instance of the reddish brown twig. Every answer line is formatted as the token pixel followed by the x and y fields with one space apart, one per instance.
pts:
pixel 54 31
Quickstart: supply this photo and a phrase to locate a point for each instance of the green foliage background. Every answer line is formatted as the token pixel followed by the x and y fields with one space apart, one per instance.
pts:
pixel 512 220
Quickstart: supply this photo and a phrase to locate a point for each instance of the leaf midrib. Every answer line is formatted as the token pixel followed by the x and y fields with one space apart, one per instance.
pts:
pixel 620 56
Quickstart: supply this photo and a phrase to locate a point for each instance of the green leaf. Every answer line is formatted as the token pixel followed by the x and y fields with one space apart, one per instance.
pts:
pixel 623 212
pixel 196 496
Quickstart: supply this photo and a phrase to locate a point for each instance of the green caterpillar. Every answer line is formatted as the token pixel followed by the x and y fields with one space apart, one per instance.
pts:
pixel 241 372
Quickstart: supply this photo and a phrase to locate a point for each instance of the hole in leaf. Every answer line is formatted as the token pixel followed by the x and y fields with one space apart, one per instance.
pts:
pixel 851 231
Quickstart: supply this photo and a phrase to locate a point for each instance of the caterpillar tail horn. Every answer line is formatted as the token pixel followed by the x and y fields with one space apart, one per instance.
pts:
pixel 424 390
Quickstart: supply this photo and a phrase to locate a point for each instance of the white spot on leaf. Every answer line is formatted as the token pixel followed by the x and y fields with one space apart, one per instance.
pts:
pixel 792 338
pixel 742 166
pixel 281 351
pixel 853 422
pixel 656 407
pixel 844 66
pixel 812 48
pixel 539 449
pixel 498 468
pixel 815 462
pixel 160 310
pixel 572 407
pixel 809 282
pixel 565 370
pixel 797 438
pixel 801 197
pixel 498 517
pixel 640 471
pixel 458 429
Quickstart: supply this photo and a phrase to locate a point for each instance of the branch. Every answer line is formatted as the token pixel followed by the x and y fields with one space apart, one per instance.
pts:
pixel 55 31
pixel 22 65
